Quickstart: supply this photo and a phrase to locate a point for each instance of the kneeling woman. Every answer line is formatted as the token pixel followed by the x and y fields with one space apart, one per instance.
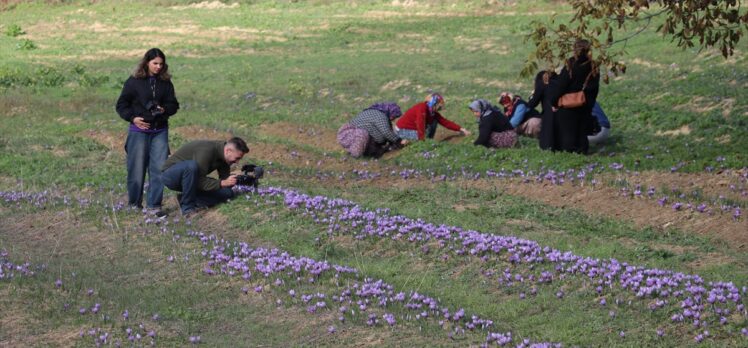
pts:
pixel 494 129
pixel 370 132
pixel 420 121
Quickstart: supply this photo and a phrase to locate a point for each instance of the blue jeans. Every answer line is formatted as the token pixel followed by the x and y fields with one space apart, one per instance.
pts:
pixel 183 177
pixel 412 134
pixel 431 129
pixel 146 152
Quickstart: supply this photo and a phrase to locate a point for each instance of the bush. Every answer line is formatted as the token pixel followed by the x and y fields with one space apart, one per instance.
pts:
pixel 14 30
pixel 13 77
pixel 88 80
pixel 48 77
pixel 26 45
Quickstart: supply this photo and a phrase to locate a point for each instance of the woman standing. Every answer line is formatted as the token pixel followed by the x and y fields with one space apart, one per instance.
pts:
pixel 419 122
pixel 545 82
pixel 146 102
pixel 571 125
pixel 494 129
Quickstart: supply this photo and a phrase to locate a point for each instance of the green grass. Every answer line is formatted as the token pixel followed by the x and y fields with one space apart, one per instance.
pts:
pixel 315 64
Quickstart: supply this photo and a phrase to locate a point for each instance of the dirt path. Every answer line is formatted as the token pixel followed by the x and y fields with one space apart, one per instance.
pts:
pixel 602 200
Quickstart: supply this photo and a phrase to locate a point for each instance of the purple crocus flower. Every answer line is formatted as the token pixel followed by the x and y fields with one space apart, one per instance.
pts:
pixel 662 201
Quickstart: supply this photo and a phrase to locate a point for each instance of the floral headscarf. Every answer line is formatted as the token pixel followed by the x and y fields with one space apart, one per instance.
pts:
pixel 433 101
pixel 392 110
pixel 508 101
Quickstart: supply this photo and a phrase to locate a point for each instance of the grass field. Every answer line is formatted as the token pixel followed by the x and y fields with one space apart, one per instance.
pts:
pixel 642 243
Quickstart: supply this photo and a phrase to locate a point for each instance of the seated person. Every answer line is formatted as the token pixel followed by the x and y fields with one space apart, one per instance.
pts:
pixel 601 126
pixel 524 120
pixel 370 133
pixel 186 171
pixel 494 129
pixel 419 122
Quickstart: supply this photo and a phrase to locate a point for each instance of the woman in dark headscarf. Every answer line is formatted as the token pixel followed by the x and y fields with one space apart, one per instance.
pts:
pixel 494 129
pixel 571 125
pixel 544 83
pixel 370 132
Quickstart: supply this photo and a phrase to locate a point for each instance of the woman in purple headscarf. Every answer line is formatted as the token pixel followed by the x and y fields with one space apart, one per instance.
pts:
pixel 370 132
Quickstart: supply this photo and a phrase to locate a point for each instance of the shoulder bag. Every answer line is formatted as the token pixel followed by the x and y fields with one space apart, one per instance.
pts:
pixel 574 99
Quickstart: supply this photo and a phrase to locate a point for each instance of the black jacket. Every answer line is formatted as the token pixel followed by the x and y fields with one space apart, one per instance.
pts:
pixel 493 122
pixel 542 95
pixel 137 94
pixel 573 80
pixel 573 124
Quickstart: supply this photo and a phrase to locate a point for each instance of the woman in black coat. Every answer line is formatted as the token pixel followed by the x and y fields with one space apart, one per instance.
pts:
pixel 494 129
pixel 146 103
pixel 571 125
pixel 545 81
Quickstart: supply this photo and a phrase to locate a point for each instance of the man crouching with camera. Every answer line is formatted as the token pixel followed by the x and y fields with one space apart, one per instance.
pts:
pixel 187 171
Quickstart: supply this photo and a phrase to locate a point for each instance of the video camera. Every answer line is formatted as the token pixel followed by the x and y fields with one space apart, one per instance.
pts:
pixel 251 176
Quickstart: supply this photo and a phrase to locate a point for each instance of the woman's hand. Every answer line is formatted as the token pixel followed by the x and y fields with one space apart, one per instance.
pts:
pixel 140 123
pixel 465 132
pixel 404 142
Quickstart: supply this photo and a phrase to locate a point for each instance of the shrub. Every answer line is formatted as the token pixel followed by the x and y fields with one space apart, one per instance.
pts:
pixel 26 44
pixel 14 30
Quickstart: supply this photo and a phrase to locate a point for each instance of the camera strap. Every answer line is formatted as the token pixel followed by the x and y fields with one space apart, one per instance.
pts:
pixel 153 87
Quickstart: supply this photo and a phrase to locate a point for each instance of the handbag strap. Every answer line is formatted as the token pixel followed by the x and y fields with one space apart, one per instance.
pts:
pixel 584 86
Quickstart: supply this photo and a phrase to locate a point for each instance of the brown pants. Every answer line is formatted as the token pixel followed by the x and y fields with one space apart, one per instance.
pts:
pixel 530 128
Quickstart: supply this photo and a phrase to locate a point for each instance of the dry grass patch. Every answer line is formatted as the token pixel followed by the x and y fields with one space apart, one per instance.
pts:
pixel 703 105
pixel 517 88
pixel 648 64
pixel 312 135
pixel 683 130
pixel 114 141
pixel 395 84
pixel 207 5
pixel 20 328
pixel 608 202
pixel 722 183
pixel 478 44
pixel 201 133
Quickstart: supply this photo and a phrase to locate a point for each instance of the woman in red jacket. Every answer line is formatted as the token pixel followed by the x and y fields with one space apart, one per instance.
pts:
pixel 419 122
